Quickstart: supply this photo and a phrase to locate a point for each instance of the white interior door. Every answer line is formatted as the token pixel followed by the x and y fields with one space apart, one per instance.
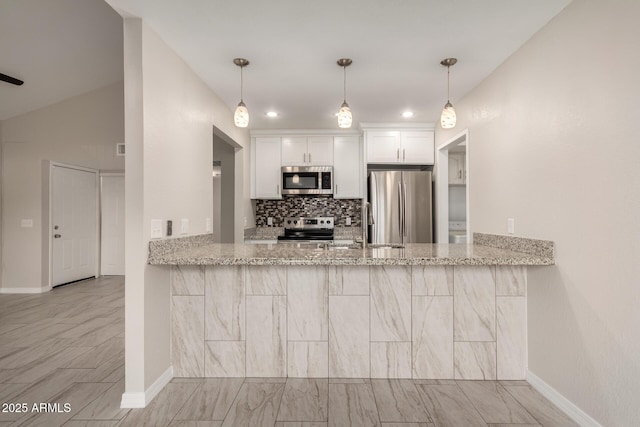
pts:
pixel 112 225
pixel 74 231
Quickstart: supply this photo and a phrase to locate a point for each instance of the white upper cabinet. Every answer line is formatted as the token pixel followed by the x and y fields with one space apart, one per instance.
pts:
pixel 307 151
pixel 347 167
pixel 267 176
pixel 413 147
pixel 417 147
pixel 320 150
pixel 457 168
pixel 383 146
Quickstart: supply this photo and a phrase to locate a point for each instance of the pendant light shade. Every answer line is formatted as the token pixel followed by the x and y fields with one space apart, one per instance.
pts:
pixel 344 114
pixel 241 115
pixel 448 116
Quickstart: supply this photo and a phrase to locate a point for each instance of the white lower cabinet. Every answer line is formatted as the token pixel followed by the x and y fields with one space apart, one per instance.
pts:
pixel 347 165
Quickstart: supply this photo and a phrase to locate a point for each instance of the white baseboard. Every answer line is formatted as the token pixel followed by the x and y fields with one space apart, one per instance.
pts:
pixel 142 399
pixel 568 407
pixel 24 290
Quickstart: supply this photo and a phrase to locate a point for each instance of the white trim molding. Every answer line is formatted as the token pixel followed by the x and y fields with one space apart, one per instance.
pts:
pixel 565 405
pixel 303 132
pixel 397 126
pixel 38 290
pixel 142 399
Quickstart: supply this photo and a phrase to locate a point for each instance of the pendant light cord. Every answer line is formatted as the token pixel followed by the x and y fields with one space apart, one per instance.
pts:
pixel 448 70
pixel 344 69
pixel 241 84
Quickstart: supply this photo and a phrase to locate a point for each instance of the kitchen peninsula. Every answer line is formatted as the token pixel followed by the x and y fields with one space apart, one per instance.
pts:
pixel 427 311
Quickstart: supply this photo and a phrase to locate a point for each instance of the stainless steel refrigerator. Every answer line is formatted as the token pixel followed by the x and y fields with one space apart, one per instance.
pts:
pixel 401 207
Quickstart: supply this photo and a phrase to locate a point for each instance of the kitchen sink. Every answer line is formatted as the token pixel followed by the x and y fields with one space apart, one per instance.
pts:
pixel 385 246
pixel 331 247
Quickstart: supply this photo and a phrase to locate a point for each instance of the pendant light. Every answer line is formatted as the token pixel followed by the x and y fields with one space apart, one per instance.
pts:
pixel 241 116
pixel 448 117
pixel 344 114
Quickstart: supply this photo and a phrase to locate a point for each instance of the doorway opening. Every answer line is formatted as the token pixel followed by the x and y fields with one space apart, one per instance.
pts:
pixel 224 170
pixel 452 192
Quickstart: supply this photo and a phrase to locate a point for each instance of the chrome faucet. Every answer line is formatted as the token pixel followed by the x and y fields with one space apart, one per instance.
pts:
pixel 367 219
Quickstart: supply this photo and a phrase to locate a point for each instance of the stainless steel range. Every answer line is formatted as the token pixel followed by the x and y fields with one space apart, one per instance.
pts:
pixel 306 229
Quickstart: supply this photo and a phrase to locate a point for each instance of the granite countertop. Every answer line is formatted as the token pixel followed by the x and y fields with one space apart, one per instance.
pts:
pixel 198 250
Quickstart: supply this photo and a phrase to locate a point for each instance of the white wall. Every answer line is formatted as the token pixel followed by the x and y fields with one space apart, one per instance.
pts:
pixel 555 144
pixel 170 114
pixel 83 131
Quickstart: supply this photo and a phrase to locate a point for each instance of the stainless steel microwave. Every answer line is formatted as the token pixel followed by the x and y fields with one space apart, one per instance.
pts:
pixel 307 180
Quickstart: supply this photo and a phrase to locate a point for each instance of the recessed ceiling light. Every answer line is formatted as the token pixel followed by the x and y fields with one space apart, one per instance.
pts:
pixel 272 114
pixel 407 114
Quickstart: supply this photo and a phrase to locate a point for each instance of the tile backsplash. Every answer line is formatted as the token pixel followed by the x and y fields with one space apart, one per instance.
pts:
pixel 293 206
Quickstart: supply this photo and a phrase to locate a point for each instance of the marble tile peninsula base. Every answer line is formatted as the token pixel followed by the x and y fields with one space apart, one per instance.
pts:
pixel 266 325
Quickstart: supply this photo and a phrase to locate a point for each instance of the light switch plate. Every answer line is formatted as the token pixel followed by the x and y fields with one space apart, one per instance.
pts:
pixel 269 221
pixel 156 228
pixel 26 223
pixel 511 226
pixel 184 225
pixel 347 220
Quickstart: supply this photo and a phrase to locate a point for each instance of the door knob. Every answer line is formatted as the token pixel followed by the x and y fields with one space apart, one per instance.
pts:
pixel 57 236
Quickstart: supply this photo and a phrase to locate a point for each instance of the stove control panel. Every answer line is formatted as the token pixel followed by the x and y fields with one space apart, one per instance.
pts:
pixel 309 223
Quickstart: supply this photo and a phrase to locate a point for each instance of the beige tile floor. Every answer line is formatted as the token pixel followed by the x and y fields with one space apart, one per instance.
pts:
pixel 67 346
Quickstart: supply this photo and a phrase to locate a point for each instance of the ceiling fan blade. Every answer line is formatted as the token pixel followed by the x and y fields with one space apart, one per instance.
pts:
pixel 11 80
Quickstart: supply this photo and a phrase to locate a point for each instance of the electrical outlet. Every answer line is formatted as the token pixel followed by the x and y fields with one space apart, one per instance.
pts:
pixel 156 228
pixel 169 227
pixel 347 220
pixel 270 221
pixel 184 226
pixel 208 225
pixel 511 225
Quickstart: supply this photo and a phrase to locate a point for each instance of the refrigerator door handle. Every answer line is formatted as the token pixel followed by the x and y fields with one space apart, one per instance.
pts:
pixel 400 211
pixel 404 210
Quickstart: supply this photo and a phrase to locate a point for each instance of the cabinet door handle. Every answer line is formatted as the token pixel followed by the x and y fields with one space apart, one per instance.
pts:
pixel 398 154
pixel 278 189
pixel 336 189
pixel 403 154
pixel 304 157
pixel 309 157
pixel 460 173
